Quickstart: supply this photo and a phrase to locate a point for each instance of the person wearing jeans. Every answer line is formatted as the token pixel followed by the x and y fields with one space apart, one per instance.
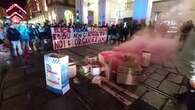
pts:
pixel 14 37
pixel 24 35
pixel 16 45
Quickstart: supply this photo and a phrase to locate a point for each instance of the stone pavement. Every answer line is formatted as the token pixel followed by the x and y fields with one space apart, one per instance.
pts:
pixel 24 88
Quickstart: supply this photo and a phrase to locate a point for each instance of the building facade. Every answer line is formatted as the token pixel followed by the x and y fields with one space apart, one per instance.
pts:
pixel 89 11
pixel 103 11
pixel 113 11
pixel 99 11
pixel 16 13
pixel 53 10
pixel 184 9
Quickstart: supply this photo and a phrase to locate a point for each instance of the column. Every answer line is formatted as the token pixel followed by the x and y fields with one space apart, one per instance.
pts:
pixel 79 9
pixel 102 12
pixel 142 10
pixel 82 9
pixel 85 11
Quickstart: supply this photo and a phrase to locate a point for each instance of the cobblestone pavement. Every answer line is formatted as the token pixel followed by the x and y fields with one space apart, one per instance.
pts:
pixel 24 87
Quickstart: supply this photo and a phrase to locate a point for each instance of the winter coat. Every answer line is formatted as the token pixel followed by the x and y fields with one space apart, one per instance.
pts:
pixel 24 32
pixel 13 34
pixel 47 32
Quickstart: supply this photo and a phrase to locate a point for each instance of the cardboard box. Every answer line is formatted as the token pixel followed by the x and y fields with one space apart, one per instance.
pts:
pixel 146 58
pixel 90 59
pixel 125 74
pixel 56 70
pixel 72 69
pixel 96 70
pixel 126 79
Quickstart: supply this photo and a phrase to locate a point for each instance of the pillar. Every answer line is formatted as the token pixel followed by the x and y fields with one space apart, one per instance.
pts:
pixel 82 9
pixel 102 12
pixel 142 10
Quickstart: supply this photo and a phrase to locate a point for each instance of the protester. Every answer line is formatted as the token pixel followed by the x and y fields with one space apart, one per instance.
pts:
pixel 188 97
pixel 109 34
pixel 185 30
pixel 47 38
pixel 114 32
pixel 125 31
pixel 2 34
pixel 41 35
pixel 24 35
pixel 33 36
pixel 120 32
pixel 14 37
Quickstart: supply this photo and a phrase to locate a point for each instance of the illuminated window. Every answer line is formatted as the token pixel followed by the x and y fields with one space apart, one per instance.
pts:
pixel 45 6
pixel 38 7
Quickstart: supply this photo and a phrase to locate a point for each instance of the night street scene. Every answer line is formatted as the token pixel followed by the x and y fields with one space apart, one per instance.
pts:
pixel 97 55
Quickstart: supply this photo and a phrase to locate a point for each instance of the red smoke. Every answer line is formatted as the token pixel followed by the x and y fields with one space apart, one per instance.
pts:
pixel 158 44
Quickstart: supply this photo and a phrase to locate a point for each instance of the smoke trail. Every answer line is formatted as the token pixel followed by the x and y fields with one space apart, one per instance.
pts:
pixel 161 41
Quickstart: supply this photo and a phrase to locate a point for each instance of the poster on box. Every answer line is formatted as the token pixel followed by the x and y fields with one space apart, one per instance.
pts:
pixel 63 38
pixel 56 70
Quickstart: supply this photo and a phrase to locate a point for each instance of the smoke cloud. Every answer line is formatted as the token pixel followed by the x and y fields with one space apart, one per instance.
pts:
pixel 162 41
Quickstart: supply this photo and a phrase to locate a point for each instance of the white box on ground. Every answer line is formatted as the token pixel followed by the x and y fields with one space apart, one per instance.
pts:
pixel 96 71
pixel 56 70
pixel 72 70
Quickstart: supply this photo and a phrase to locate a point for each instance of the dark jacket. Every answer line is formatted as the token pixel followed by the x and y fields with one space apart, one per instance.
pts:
pixel 47 32
pixel 13 34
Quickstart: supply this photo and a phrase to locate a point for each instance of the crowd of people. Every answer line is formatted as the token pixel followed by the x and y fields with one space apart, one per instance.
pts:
pixel 33 37
pixel 121 32
pixel 24 36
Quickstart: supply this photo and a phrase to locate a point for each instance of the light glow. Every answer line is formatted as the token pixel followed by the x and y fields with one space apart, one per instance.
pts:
pixel 53 14
pixel 193 79
pixel 15 13
pixel 45 5
pixel 16 19
pixel 15 5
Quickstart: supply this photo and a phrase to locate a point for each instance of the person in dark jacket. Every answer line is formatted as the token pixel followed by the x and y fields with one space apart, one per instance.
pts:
pixel 2 34
pixel 109 34
pixel 14 37
pixel 188 97
pixel 24 35
pixel 185 31
pixel 121 33
pixel 125 31
pixel 47 37
pixel 33 36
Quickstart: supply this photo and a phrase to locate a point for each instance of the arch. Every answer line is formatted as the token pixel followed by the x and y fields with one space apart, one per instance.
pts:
pixel 68 16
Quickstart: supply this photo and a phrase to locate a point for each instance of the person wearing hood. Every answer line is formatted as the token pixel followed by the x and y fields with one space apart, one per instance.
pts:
pixel 24 35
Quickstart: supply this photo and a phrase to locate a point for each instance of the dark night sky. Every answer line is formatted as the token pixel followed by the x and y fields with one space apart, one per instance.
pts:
pixel 7 3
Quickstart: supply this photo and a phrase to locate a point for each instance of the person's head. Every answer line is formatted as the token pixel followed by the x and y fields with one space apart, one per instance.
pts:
pixel 13 26
pixel 47 22
pixel 33 25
